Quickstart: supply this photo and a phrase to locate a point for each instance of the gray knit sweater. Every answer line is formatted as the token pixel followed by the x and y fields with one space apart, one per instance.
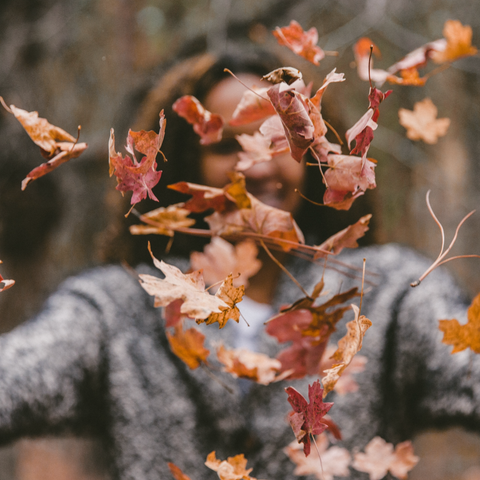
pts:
pixel 96 360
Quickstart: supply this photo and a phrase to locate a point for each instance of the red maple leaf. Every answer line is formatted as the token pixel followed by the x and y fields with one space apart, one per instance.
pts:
pixel 306 418
pixel 206 124
pixel 138 177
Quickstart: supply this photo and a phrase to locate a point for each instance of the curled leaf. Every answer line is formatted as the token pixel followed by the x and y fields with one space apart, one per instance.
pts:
pixel 209 126
pixel 234 468
pixel 56 145
pixel 300 42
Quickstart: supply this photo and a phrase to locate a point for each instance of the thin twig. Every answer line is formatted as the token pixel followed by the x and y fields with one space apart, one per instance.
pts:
pixel 318 452
pixel 294 280
pixel 247 87
pixel 214 377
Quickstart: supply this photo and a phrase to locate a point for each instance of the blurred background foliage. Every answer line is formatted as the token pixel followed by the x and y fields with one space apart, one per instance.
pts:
pixel 86 62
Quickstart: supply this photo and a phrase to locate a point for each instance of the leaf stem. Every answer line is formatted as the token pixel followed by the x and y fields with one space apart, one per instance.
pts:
pixel 318 452
pixel 282 267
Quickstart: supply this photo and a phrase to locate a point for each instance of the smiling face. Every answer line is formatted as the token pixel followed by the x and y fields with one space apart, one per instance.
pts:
pixel 272 182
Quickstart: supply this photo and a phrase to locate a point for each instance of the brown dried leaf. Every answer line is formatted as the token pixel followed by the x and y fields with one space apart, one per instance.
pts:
pixel 348 346
pixel 56 145
pixel 221 258
pixel 243 363
pixel 164 221
pixel 231 469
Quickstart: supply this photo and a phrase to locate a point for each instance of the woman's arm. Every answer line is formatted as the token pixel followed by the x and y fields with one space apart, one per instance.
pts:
pixel 51 370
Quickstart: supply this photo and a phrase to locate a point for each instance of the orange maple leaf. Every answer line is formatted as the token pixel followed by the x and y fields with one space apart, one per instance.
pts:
pixel 380 458
pixel 463 336
pixel 231 469
pixel 56 145
pixel 459 42
pixel 188 346
pixel 422 123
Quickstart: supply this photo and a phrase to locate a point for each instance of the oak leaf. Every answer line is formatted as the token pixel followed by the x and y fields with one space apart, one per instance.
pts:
pixel 221 258
pixel 463 336
pixel 306 418
pixel 234 468
pixel 163 221
pixel 209 126
pixel 422 123
pixel 348 346
pixel 300 42
pixel 380 458
pixel 335 460
pixel 56 145
pixel 188 346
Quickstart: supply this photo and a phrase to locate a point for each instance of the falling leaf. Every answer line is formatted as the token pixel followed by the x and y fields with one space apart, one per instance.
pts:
pixel 346 238
pixel 188 346
pixel 138 177
pixel 231 296
pixel 197 302
pixel 56 145
pixel 308 326
pixel 348 346
pixel 256 149
pixel 6 283
pixel 346 383
pixel 300 42
pixel 362 131
pixel 335 460
pixel 221 258
pixel 459 42
pixel 463 336
pixel 242 363
pixel 163 221
pixel 177 473
pixel 234 468
pixel 347 178
pixel 422 123
pixel 306 418
pixel 288 75
pixel 254 105
pixel 380 458
pixel 238 212
pixel 209 126
pixel 292 109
